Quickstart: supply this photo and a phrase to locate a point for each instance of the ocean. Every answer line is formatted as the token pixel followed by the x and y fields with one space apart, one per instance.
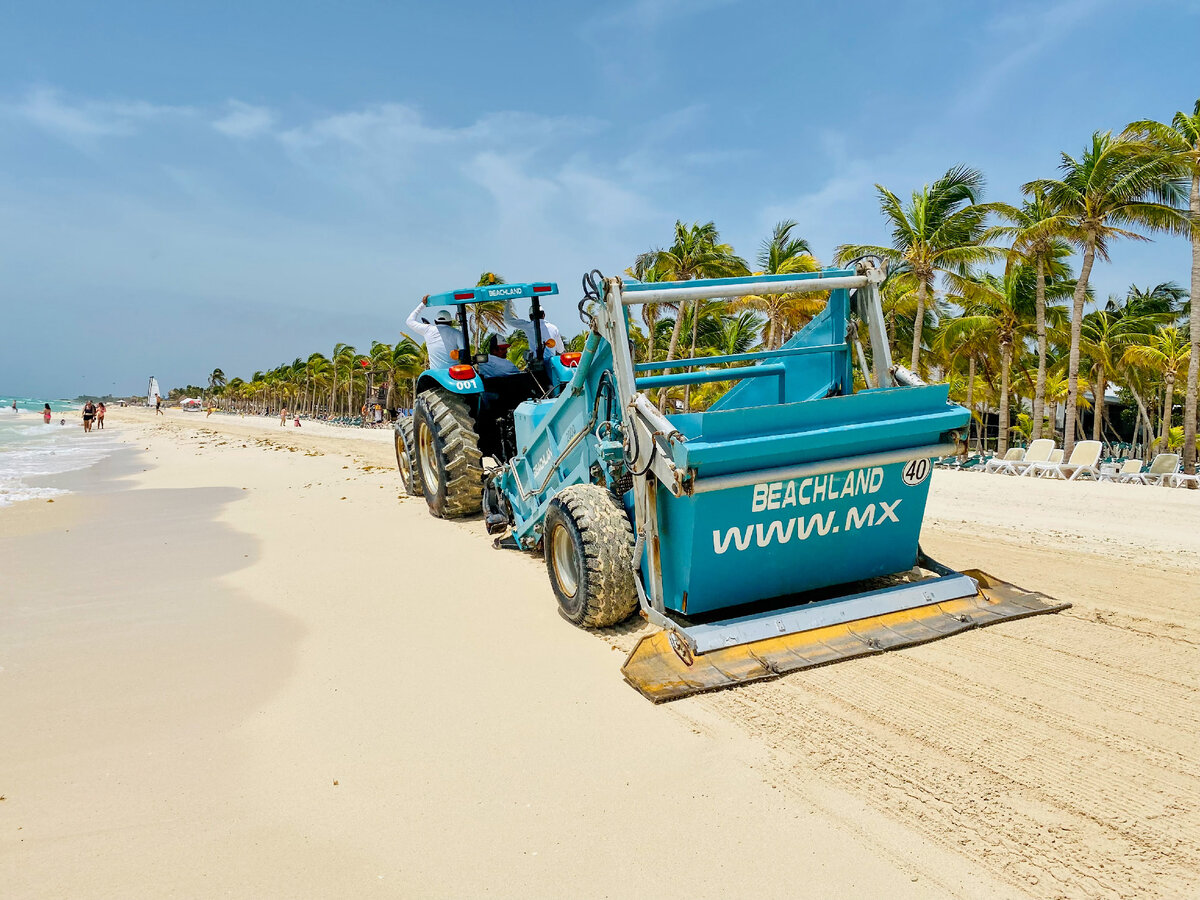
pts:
pixel 30 449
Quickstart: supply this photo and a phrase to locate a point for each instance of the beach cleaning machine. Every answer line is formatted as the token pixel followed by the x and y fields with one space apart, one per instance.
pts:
pixel 775 531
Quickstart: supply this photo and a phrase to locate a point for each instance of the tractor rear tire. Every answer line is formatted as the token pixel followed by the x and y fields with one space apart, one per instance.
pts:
pixel 589 554
pixel 446 453
pixel 410 475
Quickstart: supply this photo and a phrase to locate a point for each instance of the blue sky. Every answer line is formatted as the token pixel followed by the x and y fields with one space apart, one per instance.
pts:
pixel 184 186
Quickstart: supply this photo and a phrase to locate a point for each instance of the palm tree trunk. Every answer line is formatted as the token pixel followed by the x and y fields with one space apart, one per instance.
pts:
pixel 1039 392
pixel 1006 365
pixel 1085 272
pixel 918 324
pixel 687 390
pixel 1098 421
pixel 1168 403
pixel 662 394
pixel 1147 425
pixel 970 396
pixel 1193 375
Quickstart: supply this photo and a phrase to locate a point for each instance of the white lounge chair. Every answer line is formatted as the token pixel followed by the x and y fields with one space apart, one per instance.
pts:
pixel 1162 468
pixel 1084 461
pixel 1182 479
pixel 994 464
pixel 1037 452
pixel 1128 469
pixel 1056 455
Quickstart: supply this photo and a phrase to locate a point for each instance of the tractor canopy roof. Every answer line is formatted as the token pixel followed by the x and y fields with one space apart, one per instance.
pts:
pixel 493 292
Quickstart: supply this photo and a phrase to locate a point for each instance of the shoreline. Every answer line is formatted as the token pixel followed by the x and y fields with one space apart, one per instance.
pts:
pixel 269 617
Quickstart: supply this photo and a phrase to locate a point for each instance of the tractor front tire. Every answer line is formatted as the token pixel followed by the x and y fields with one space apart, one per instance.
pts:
pixel 446 455
pixel 410 474
pixel 589 554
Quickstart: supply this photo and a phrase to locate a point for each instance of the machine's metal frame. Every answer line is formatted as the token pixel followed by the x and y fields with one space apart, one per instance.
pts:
pixel 654 436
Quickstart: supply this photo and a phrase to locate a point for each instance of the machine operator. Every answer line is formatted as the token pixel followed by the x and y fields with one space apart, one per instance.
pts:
pixel 440 336
pixel 552 342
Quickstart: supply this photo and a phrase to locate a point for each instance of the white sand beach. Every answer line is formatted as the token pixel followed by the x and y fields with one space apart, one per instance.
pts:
pixel 234 662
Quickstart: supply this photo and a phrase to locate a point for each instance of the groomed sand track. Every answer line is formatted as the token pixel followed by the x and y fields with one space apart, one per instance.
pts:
pixel 1061 752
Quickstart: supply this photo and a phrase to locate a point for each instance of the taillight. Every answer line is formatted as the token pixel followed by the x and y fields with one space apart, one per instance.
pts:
pixel 454 353
pixel 541 288
pixel 462 373
pixel 570 359
pixel 468 295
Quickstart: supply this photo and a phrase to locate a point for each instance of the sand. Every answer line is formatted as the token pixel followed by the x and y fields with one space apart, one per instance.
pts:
pixel 238 663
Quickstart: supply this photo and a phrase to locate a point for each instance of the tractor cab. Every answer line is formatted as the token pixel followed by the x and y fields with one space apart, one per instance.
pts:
pixel 482 381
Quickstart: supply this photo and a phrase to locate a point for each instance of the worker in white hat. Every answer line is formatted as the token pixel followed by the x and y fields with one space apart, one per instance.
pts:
pixel 436 328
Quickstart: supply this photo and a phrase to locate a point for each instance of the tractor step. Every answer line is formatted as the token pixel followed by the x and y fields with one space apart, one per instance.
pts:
pixel 669 665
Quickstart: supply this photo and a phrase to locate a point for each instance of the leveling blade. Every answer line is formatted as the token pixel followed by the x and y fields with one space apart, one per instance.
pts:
pixel 668 665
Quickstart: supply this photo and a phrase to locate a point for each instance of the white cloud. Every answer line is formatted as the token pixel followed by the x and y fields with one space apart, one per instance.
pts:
pixel 245 121
pixel 47 109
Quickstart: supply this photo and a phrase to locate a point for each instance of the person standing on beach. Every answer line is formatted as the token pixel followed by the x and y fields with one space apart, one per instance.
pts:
pixel 100 411
pixel 45 414
pixel 14 406
pixel 158 405
pixel 282 416
pixel 89 413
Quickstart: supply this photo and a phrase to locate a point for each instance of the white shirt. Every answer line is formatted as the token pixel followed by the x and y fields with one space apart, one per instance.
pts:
pixel 551 339
pixel 439 339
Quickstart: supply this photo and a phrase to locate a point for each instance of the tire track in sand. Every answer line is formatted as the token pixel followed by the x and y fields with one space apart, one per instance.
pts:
pixel 1068 774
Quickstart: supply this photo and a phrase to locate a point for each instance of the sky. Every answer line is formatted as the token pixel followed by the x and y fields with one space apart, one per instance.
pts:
pixel 187 186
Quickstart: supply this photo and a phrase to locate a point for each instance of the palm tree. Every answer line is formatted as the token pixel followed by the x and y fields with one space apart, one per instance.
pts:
pixel 1002 310
pixel 951 345
pixel 696 253
pixel 383 366
pixel 216 380
pixel 899 301
pixel 1117 182
pixel 739 333
pixel 1180 142
pixel 783 254
pixel 645 268
pixel 490 314
pixel 1038 234
pixel 1161 301
pixel 941 231
pixel 1165 353
pixel 409 359
pixel 1103 340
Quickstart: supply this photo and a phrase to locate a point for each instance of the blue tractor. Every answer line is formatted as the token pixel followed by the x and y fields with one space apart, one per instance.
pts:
pixel 776 530
pixel 464 415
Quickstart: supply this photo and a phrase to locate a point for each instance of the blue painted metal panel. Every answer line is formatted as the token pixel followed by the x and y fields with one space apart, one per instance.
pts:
pixel 545 428
pixel 492 293
pixel 786 434
pixel 452 385
pixel 810 375
pixel 759 542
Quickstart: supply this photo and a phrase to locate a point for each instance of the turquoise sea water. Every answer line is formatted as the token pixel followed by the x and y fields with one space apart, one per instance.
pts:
pixel 30 450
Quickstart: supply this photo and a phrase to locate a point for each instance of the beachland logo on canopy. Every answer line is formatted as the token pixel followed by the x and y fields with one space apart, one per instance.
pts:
pixel 506 292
